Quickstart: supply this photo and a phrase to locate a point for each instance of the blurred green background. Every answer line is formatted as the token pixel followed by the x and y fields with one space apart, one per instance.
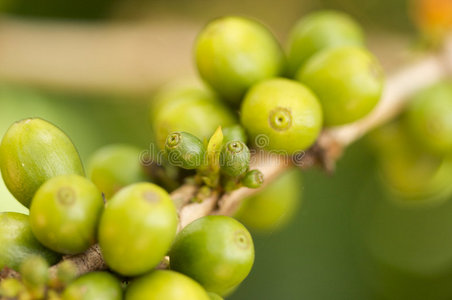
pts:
pixel 348 240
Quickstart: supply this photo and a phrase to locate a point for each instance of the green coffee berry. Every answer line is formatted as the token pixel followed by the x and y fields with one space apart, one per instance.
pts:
pixel 318 31
pixel 137 228
pixel 94 286
pixel 274 206
pixel 190 109
pixel 184 150
pixel 234 158
pixel 233 53
pixel 65 213
pixel 114 166
pixel 253 179
pixel 217 251
pixel 164 284
pixel 281 115
pixel 347 80
pixel 34 271
pixel 428 118
pixel 234 133
pixel 31 152
pixel 18 242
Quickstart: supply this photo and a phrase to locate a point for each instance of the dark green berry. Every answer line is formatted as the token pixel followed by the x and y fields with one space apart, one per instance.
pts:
pixel 184 150
pixel 253 179
pixel 234 158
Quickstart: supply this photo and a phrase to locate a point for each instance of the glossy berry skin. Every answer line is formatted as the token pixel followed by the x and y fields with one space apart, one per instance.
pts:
pixel 282 115
pixel 318 31
pixel 217 251
pixel 65 213
pixel 94 286
pixel 165 284
pixel 184 150
pixel 114 166
pixel 193 109
pixel 274 206
pixel 233 53
pixel 428 118
pixel 347 80
pixel 18 242
pixel 137 228
pixel 234 158
pixel 33 151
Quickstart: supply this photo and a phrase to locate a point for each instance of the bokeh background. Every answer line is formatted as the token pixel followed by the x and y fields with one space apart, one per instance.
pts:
pixel 91 67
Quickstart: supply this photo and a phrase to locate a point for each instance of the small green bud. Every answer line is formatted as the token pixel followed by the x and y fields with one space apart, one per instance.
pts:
pixel 34 271
pixel 234 158
pixel 253 179
pixel 234 133
pixel 184 150
pixel 31 152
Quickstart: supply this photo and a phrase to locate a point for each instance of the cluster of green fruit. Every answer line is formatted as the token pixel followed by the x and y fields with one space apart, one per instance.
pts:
pixel 330 79
pixel 135 222
pixel 135 229
pixel 414 151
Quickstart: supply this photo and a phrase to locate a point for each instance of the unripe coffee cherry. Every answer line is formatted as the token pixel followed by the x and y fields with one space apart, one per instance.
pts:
pixel 217 251
pixel 233 53
pixel 165 285
pixel 65 213
pixel 137 228
pixel 31 152
pixel 191 109
pixel 234 158
pixel 184 150
pixel 281 115
pixel 18 242
pixel 94 286
pixel 318 31
pixel 114 166
pixel 348 82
